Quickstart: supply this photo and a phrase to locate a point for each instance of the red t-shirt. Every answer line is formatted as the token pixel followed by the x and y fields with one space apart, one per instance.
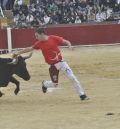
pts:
pixel 50 48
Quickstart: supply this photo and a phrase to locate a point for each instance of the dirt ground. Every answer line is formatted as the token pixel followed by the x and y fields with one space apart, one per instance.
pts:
pixel 98 69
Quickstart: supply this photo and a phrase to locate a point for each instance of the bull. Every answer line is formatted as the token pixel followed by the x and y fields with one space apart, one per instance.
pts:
pixel 9 67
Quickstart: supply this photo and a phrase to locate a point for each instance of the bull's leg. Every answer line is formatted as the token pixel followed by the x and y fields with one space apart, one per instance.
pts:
pixel 13 80
pixel 1 94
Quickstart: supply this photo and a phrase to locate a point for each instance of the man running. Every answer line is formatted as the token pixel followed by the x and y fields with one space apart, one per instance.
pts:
pixel 48 44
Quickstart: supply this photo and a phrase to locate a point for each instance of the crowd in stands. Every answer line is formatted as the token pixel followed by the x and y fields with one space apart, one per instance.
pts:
pixel 43 12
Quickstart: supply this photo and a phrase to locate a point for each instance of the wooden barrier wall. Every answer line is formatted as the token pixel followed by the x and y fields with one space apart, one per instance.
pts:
pixel 22 38
pixel 79 34
pixel 88 33
pixel 3 39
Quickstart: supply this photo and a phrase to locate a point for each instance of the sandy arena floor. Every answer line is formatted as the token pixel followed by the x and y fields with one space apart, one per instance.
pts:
pixel 98 69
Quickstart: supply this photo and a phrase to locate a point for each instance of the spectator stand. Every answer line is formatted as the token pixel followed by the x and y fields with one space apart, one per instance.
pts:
pixel 44 12
pixel 31 13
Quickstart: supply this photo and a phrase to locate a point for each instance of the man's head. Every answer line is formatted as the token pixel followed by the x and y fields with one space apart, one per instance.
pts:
pixel 40 33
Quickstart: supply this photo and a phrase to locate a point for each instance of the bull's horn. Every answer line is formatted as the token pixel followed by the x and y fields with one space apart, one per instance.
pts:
pixel 27 57
pixel 14 61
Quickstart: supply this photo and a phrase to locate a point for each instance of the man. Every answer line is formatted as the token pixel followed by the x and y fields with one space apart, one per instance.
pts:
pixel 4 4
pixel 49 47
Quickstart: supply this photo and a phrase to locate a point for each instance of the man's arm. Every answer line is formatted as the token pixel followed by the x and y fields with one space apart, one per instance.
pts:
pixel 28 49
pixel 68 43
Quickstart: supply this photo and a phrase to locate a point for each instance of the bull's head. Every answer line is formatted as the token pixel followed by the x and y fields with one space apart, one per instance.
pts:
pixel 20 67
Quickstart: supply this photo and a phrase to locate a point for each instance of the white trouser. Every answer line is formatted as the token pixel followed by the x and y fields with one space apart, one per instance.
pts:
pixel 63 66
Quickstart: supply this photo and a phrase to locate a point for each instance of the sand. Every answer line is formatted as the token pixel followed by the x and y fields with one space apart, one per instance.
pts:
pixel 97 68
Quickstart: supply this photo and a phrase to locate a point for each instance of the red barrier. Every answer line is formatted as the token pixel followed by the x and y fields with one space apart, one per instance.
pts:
pixel 22 37
pixel 88 34
pixel 78 34
pixel 3 39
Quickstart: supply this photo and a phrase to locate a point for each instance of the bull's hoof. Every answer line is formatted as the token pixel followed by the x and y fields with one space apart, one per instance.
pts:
pixel 1 94
pixel 16 91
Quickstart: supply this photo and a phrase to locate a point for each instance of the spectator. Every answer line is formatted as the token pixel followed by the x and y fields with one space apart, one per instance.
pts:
pixel 7 4
pixel 54 7
pixel 118 1
pixel 98 17
pixel 24 9
pixel 16 9
pixel 116 8
pixel 46 19
pixel 109 12
pixel 29 19
pixel 21 19
pixel 91 16
pixel 19 2
pixel 54 18
pixel 78 20
pixel 4 4
pixel 16 18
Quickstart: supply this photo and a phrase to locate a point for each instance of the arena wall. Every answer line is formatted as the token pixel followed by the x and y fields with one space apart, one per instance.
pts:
pixel 83 34
pixel 78 34
pixel 22 37
pixel 3 39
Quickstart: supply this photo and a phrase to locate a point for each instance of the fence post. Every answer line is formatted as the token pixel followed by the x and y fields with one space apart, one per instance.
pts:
pixel 9 37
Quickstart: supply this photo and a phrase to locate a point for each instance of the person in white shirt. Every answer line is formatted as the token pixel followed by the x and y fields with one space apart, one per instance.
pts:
pixel 118 1
pixel 29 19
pixel 19 2
pixel 46 19
pixel 77 20
pixel 98 17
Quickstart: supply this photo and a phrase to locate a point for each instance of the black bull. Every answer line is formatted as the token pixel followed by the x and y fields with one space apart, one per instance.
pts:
pixel 7 69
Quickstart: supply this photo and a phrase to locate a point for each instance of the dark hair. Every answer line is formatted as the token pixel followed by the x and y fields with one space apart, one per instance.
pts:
pixel 40 30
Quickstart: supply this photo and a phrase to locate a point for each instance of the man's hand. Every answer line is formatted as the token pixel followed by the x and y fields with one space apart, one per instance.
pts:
pixel 25 50
pixel 68 44
pixel 71 48
pixel 15 55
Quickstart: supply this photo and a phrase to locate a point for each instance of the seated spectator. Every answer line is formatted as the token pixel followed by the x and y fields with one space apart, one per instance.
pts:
pixel 24 9
pixel 116 8
pixel 4 4
pixel 32 8
pixel 7 4
pixel 19 2
pixel 72 17
pixel 16 17
pixel 54 18
pixel 78 20
pixel 91 16
pixel 21 19
pixel 98 17
pixel 109 12
pixel 54 7
pixel 46 19
pixel 29 19
pixel 37 22
pixel 16 9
